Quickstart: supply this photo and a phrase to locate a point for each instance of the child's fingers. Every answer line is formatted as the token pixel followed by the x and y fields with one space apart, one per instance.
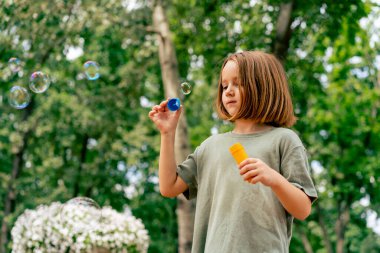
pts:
pixel 152 113
pixel 245 168
pixel 162 107
pixel 250 174
pixel 155 109
pixel 255 180
pixel 178 112
pixel 164 103
pixel 158 108
pixel 247 161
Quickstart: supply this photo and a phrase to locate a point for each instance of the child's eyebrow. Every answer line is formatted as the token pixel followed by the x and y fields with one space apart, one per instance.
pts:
pixel 233 79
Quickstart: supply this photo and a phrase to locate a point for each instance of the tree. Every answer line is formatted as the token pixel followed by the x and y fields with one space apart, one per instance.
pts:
pixel 85 137
pixel 171 80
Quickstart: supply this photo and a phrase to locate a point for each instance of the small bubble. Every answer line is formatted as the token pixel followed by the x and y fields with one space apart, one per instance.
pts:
pixel 91 213
pixel 186 88
pixel 14 64
pixel 19 97
pixel 91 69
pixel 39 82
pixel 83 201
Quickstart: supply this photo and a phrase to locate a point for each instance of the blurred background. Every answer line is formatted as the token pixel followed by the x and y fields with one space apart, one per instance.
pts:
pixel 94 138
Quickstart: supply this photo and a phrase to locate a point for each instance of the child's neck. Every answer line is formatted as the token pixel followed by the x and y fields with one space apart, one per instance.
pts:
pixel 246 126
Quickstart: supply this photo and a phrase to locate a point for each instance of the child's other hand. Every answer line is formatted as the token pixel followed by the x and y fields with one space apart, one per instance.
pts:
pixel 165 120
pixel 254 170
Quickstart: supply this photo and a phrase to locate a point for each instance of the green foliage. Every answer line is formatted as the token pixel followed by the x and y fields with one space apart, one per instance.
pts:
pixel 336 98
pixel 102 119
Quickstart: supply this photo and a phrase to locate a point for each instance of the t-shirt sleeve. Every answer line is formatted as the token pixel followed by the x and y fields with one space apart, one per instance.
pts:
pixel 295 168
pixel 187 170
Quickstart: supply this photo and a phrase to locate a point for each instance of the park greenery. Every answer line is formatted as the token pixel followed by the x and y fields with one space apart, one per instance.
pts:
pixel 94 138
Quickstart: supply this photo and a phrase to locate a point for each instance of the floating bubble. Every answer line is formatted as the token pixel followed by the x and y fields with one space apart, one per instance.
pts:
pixel 186 88
pixel 83 201
pixel 91 69
pixel 90 213
pixel 82 204
pixel 14 64
pixel 39 82
pixel 19 97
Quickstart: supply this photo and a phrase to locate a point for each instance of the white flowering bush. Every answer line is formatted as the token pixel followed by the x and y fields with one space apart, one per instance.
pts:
pixel 68 228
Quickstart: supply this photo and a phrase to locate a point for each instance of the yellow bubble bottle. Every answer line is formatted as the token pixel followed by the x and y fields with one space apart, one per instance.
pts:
pixel 238 152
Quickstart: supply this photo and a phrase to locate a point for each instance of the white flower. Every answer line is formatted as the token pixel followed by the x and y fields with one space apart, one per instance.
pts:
pixel 71 228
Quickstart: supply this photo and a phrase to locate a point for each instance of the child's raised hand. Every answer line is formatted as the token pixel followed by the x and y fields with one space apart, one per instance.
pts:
pixel 254 170
pixel 165 120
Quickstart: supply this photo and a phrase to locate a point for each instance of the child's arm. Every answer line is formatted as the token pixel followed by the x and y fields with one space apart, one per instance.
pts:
pixel 294 200
pixel 170 183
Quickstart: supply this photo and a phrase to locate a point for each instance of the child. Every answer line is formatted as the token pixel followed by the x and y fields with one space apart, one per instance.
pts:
pixel 249 208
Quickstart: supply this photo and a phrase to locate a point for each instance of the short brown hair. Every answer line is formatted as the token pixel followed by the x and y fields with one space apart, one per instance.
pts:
pixel 264 90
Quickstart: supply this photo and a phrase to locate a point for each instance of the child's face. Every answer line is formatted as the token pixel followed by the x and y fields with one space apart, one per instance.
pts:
pixel 230 83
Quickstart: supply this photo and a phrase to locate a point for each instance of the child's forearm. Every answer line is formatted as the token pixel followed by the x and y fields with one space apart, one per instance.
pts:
pixel 294 200
pixel 167 173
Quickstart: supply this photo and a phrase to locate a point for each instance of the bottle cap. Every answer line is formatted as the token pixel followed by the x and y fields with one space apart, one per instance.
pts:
pixel 174 104
pixel 236 147
pixel 238 152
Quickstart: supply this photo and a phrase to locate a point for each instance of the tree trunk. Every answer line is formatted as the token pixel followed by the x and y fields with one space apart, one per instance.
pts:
pixel 283 31
pixel 340 228
pixel 305 241
pixel 325 235
pixel 10 199
pixel 170 77
pixel 83 154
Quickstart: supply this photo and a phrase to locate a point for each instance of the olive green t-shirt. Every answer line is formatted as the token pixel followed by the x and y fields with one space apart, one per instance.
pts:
pixel 233 216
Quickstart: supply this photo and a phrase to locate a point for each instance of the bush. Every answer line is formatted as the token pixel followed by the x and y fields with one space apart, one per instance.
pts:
pixel 71 228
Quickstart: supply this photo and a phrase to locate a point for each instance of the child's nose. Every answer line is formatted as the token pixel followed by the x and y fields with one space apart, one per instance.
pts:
pixel 230 89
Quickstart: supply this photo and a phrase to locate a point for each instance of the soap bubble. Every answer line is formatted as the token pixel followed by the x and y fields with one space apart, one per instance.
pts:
pixel 90 212
pixel 186 88
pixel 83 201
pixel 91 69
pixel 14 64
pixel 39 82
pixel 19 97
